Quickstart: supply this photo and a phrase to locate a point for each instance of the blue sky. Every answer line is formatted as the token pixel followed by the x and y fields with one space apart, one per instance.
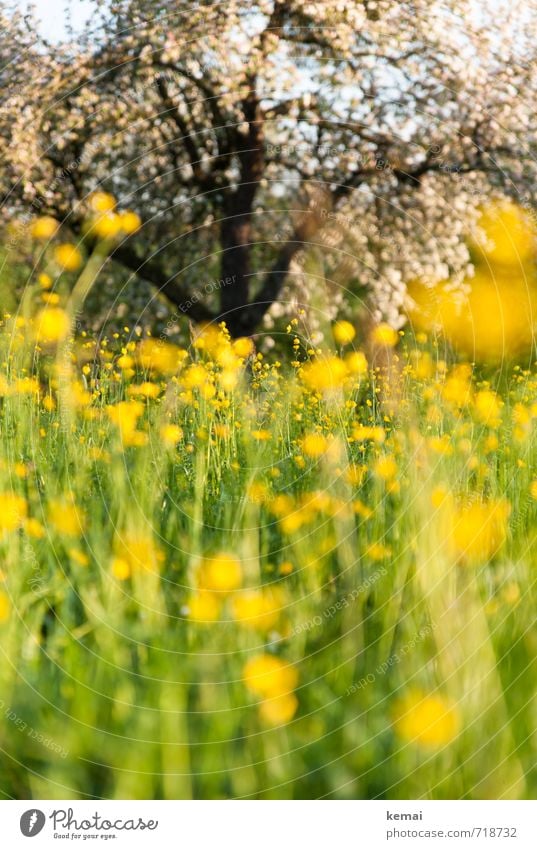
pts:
pixel 51 14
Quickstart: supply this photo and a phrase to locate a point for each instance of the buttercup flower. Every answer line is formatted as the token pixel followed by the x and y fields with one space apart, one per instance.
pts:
pixel 68 257
pixel 427 720
pixel 220 573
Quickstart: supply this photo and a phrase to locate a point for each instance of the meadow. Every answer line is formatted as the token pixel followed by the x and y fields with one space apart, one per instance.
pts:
pixel 228 575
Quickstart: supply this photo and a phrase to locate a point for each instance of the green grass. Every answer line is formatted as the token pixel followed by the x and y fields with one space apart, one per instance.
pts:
pixel 108 687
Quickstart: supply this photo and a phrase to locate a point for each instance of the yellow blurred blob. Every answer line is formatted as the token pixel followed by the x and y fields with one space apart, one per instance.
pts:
pixel 269 676
pixel 356 363
pixel 130 222
pixel 385 336
pixel 107 226
pixel 102 202
pixel 508 235
pixel 52 324
pixel 44 228
pixel 257 610
pixel 147 389
pixel 66 518
pixel 13 511
pixel 488 407
pixel 457 389
pixel 121 569
pixel 5 607
pixel 220 573
pixel 428 721
pixel 385 467
pixel 34 529
pixel 125 416
pixel 494 317
pixel 479 530
pixel 160 356
pixel 493 320
pixel 243 347
pixel 314 445
pixel 68 257
pixel 278 710
pixel 135 551
pixel 366 433
pixel 203 607
pixel 171 434
pixel 325 374
pixel 344 332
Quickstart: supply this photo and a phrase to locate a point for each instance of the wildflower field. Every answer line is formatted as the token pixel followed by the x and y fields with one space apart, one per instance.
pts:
pixel 228 575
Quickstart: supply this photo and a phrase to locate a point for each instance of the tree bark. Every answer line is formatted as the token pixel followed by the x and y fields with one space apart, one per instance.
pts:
pixel 236 234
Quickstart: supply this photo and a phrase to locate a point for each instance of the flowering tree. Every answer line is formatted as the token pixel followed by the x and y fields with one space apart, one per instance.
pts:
pixel 245 132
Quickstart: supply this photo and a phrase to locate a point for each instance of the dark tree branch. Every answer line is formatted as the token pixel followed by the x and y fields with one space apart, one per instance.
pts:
pixel 152 271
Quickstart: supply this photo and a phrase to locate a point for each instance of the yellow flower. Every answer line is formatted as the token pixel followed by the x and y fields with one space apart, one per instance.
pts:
pixel 45 281
pixel 66 518
pixel 26 386
pixel 533 489
pixel 457 389
pixel 195 376
pixel 44 228
pixel 125 362
pixel 68 257
pixel 171 434
pixel 363 433
pixel 385 467
pixel 102 202
pixel 125 415
pixel 440 444
pixel 343 332
pixel 79 557
pixel 257 610
pixel 5 607
pixel 243 347
pixel 508 234
pixel 278 710
pixel 203 607
pixel 314 445
pixel 479 530
pixel 34 529
pixel 135 551
pixel 52 324
pixel 361 509
pixel 121 569
pixel 325 374
pixel 377 551
pixel 268 676
pixel 488 407
pixel 107 226
pixel 130 221
pixel 429 721
pixel 161 356
pixel 261 435
pixel 356 363
pixel 52 299
pixel 385 336
pixel 13 511
pixel 488 321
pixel 145 390
pixel 220 573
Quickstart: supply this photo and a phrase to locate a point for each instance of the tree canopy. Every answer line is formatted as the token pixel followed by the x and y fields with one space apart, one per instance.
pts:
pixel 243 133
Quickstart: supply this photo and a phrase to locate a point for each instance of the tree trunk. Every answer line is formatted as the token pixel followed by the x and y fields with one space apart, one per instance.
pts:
pixel 236 234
